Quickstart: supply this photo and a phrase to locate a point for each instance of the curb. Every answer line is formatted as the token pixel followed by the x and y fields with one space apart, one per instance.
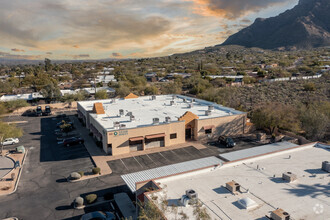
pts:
pixel 19 175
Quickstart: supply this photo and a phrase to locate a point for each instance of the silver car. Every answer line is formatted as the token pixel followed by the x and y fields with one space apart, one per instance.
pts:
pixel 10 141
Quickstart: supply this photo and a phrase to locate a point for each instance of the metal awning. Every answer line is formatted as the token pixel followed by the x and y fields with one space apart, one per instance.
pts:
pixel 140 138
pixel 155 136
pixel 208 127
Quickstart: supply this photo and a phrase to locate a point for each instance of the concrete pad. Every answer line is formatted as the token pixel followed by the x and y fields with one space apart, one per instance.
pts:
pixel 6 165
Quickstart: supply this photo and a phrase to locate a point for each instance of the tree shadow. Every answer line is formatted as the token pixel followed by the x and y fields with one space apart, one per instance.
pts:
pixel 315 171
pixel 310 190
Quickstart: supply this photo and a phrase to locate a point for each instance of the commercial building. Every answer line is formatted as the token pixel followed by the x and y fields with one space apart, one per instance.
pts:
pixel 279 181
pixel 139 123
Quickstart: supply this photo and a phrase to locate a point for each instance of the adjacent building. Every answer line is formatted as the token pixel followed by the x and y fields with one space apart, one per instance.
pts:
pixel 139 123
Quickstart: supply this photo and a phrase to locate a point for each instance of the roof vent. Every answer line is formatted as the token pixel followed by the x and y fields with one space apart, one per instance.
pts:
pixel 116 124
pixel 190 105
pixel 172 102
pixel 129 114
pixel 153 97
pixel 173 97
pixel 167 119
pixel 132 118
pixel 191 194
pixel 233 186
pixel 211 107
pixel 122 126
pixel 208 113
pixel 155 121
pixel 193 100
pixel 326 166
pixel 121 112
pixel 184 100
pixel 279 214
pixel 288 176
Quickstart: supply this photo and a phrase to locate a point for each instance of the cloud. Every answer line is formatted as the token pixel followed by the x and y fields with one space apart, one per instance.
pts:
pixel 80 56
pixel 49 53
pixel 245 21
pixel 7 55
pixel 232 9
pixel 17 50
pixel 117 55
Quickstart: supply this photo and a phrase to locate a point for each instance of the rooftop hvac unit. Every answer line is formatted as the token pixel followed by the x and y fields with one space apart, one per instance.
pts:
pixel 132 118
pixel 193 100
pixel 184 100
pixel 153 97
pixel 211 107
pixel 288 176
pixel 326 166
pixel 279 214
pixel 116 124
pixel 190 105
pixel 167 119
pixel 122 126
pixel 208 113
pixel 184 200
pixel 233 186
pixel 129 114
pixel 173 97
pixel 155 121
pixel 172 102
pixel 121 112
pixel 191 194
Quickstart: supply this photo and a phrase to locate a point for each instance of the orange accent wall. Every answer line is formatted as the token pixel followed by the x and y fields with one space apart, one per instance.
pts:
pixel 131 96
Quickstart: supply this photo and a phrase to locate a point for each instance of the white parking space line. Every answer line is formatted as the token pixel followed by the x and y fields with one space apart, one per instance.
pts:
pixel 124 164
pixel 151 159
pixel 175 153
pixel 138 162
pixel 163 156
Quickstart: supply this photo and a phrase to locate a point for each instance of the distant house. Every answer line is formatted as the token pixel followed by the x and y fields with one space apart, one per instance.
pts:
pixel 173 75
pixel 89 91
pixel 27 96
pixel 151 77
pixel 105 79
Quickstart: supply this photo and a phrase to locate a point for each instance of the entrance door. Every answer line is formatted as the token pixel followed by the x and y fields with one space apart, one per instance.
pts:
pixel 188 133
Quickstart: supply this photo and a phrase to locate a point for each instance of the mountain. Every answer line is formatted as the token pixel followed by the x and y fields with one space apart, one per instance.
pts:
pixel 305 26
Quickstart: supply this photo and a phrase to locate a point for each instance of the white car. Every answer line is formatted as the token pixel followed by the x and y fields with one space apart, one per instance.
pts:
pixel 10 141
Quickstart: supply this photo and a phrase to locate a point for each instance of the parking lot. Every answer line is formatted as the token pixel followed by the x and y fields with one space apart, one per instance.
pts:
pixel 44 193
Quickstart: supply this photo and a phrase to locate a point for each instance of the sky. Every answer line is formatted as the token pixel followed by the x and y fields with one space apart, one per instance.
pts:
pixel 101 29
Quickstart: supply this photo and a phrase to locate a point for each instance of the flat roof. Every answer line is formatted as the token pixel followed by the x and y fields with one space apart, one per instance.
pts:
pixel 132 178
pixel 255 151
pixel 308 197
pixel 145 109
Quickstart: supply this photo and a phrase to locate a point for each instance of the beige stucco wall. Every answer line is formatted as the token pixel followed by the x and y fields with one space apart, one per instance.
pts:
pixel 229 125
pixel 120 142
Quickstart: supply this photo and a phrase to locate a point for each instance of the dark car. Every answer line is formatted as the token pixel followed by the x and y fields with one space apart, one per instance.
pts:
pixel 47 111
pixel 38 111
pixel 227 141
pixel 73 141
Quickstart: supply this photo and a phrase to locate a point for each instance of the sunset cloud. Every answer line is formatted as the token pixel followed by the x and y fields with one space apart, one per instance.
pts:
pixel 132 28
pixel 17 50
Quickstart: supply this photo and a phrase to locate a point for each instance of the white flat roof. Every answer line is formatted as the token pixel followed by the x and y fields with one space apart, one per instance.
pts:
pixel 306 198
pixel 144 109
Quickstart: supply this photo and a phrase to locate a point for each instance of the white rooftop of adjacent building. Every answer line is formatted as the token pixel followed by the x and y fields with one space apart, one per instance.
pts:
pixel 308 197
pixel 145 109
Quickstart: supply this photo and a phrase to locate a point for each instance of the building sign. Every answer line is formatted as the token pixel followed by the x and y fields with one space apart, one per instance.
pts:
pixel 119 133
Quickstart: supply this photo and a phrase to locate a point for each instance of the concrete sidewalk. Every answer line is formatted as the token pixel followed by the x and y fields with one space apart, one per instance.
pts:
pixel 97 155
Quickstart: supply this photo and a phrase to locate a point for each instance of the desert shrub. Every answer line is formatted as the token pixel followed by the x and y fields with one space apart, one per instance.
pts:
pixel 91 198
pixel 96 170
pixel 309 86
pixel 75 176
pixel 108 196
pixel 81 173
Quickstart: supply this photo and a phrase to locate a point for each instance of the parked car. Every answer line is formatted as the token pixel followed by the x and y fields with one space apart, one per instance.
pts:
pixel 38 111
pixel 62 137
pixel 227 141
pixel 47 111
pixel 10 141
pixel 73 141
pixel 99 216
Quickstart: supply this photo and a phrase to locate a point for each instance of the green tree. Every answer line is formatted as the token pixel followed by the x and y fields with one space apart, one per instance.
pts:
pixel 151 90
pixel 48 64
pixel 309 86
pixel 272 116
pixel 101 94
pixel 51 92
